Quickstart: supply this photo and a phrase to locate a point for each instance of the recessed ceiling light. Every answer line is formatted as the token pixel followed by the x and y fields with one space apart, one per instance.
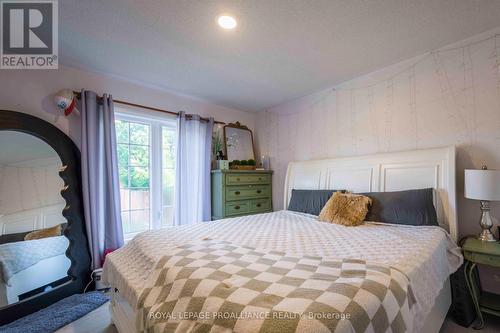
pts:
pixel 227 22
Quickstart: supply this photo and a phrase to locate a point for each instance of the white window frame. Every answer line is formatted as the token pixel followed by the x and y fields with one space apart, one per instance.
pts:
pixel 155 123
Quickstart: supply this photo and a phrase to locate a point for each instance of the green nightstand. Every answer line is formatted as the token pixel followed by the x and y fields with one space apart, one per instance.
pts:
pixel 484 253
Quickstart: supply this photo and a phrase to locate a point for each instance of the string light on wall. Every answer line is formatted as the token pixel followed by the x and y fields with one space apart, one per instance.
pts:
pixel 438 92
pixel 337 122
pixel 413 102
pixel 353 121
pixel 457 121
pixel 497 71
pixel 389 101
pixel 373 116
pixel 470 102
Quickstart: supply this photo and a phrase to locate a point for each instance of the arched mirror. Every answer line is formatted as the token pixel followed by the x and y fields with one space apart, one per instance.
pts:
pixel 44 254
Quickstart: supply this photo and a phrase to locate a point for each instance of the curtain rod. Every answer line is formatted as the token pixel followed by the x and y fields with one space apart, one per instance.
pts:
pixel 99 98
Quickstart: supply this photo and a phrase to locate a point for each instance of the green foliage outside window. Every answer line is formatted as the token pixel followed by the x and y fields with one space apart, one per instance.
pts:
pixel 133 154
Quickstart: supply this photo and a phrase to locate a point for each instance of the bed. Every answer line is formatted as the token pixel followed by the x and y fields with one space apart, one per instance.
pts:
pixel 130 270
pixel 26 266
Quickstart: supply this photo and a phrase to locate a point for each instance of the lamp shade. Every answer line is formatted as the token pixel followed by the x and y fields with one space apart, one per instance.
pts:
pixel 482 185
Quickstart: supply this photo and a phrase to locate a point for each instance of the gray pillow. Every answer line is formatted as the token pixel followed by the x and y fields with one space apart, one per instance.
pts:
pixel 412 207
pixel 309 201
pixel 11 238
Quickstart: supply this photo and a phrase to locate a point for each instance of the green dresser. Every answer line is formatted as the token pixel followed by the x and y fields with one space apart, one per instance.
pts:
pixel 238 193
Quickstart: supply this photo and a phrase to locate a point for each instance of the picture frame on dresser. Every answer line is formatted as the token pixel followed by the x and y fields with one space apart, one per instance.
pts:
pixel 241 192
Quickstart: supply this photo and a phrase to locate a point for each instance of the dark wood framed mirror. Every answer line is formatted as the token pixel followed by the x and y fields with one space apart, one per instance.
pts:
pixel 29 146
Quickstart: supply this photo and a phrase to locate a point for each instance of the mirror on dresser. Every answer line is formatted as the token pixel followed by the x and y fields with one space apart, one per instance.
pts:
pixel 44 254
pixel 238 140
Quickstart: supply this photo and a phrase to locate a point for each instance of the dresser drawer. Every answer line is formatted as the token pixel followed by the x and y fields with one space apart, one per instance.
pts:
pixel 237 208
pixel 237 179
pixel 247 192
pixel 260 205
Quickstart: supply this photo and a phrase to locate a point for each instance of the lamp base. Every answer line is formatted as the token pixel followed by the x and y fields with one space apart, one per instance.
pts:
pixel 486 236
pixel 486 223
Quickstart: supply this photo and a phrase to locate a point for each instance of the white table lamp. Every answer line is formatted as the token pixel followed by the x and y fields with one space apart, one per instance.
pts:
pixel 483 185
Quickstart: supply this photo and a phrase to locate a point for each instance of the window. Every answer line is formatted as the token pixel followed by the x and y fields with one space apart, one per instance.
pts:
pixel 146 165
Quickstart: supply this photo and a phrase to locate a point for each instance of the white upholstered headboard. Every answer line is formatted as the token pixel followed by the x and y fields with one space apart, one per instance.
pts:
pixel 384 172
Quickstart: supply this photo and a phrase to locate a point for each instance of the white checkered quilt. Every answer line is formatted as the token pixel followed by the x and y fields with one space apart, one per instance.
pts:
pixel 216 286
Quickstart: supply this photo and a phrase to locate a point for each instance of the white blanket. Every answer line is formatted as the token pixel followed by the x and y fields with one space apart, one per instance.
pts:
pixel 16 256
pixel 427 255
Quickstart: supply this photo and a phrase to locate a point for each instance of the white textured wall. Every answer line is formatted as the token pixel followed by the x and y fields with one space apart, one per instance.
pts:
pixel 31 91
pixel 451 97
pixel 29 185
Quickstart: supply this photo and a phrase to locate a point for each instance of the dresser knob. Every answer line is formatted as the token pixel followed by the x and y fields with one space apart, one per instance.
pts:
pixel 237 179
pixel 258 205
pixel 237 192
pixel 259 191
pixel 260 178
pixel 236 207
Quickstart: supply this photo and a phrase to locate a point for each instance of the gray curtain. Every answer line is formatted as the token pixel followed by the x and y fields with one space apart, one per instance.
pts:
pixel 192 172
pixel 100 183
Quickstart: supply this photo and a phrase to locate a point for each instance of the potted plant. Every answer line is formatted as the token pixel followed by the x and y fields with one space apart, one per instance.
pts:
pixel 221 162
pixel 216 144
pixel 243 164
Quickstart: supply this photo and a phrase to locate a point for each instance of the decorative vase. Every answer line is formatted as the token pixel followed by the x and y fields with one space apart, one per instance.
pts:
pixel 222 164
pixel 266 163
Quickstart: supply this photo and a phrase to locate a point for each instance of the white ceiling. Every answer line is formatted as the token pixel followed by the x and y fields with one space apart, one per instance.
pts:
pixel 281 50
pixel 20 147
